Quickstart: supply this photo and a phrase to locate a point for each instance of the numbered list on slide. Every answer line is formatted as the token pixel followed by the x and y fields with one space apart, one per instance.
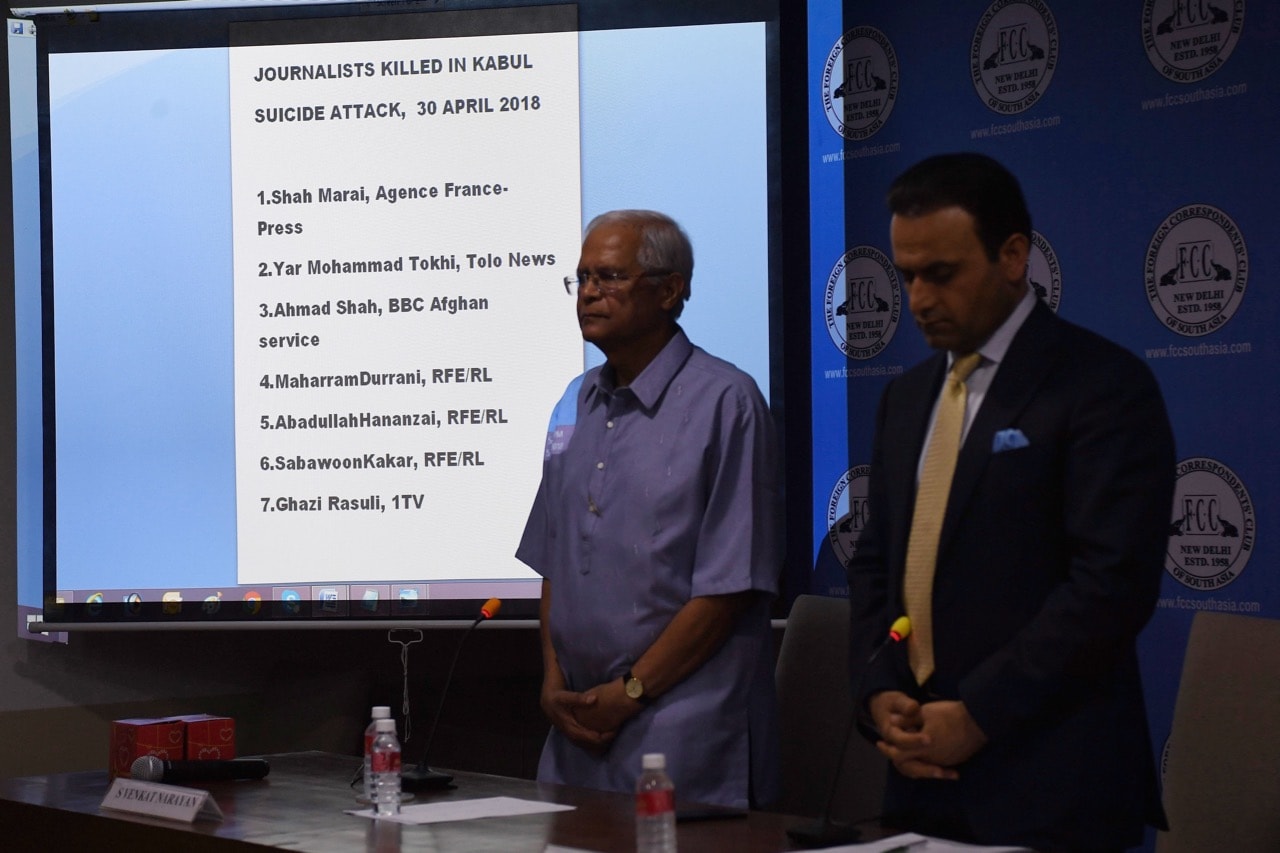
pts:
pixel 404 214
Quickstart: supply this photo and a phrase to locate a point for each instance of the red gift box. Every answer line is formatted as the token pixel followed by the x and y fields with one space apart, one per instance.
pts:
pixel 130 739
pixel 190 737
pixel 210 736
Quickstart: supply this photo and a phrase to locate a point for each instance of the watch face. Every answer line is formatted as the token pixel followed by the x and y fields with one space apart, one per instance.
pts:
pixel 634 688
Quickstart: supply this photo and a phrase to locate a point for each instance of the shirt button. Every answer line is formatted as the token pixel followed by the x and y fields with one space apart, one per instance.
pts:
pixel 609 424
pixel 599 466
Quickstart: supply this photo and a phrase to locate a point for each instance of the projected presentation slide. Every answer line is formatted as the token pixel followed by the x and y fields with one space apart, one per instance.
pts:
pixel 385 374
pixel 309 318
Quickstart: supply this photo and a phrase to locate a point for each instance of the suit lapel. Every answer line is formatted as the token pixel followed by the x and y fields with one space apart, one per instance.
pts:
pixel 1029 359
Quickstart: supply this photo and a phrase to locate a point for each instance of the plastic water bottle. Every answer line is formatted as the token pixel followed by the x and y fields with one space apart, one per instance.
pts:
pixel 655 807
pixel 384 762
pixel 380 712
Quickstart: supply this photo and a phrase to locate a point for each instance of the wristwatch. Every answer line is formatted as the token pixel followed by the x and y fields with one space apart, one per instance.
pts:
pixel 634 688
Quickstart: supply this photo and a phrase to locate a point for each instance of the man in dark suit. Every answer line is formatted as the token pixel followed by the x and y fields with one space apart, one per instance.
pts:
pixel 1027 726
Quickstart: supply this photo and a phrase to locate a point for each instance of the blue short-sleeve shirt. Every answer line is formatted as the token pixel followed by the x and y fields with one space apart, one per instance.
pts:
pixel 651 495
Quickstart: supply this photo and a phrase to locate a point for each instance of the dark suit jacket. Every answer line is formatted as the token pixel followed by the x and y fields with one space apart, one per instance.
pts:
pixel 1050 561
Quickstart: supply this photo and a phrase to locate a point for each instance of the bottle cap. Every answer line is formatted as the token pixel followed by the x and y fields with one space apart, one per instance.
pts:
pixel 381 712
pixel 385 725
pixel 653 761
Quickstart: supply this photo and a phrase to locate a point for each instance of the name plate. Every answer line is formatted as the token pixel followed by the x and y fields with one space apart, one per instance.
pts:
pixel 170 802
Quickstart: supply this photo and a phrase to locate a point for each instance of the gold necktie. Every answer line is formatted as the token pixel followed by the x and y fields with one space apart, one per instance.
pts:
pixel 931 506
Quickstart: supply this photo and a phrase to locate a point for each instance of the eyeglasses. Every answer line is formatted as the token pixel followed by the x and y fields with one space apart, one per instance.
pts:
pixel 608 282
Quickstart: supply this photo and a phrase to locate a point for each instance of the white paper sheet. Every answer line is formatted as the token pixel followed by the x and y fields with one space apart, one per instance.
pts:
pixel 465 810
pixel 909 842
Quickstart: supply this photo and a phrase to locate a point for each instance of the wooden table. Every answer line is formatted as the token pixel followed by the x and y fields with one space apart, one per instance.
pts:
pixel 300 807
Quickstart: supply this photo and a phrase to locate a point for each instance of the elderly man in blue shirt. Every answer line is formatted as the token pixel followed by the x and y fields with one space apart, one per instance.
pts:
pixel 657 532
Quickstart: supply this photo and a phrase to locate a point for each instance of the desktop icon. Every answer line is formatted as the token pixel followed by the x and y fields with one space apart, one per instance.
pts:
pixel 252 602
pixel 291 601
pixel 212 604
pixel 410 598
pixel 171 603
pixel 330 601
pixel 369 601
pixel 133 604
pixel 328 597
pixel 93 604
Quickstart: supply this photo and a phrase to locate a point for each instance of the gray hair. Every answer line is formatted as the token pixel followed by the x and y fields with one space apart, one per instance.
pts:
pixel 663 244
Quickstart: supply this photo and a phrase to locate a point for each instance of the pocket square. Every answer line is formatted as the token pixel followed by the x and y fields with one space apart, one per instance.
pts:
pixel 1008 439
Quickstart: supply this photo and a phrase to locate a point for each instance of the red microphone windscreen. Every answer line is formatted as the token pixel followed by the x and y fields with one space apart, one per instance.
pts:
pixel 491 608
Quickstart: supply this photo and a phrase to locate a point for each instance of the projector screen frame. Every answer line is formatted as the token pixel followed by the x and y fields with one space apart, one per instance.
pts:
pixel 788 246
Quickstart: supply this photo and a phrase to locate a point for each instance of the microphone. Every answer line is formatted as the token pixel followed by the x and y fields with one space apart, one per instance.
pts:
pixel 422 776
pixel 151 768
pixel 826 832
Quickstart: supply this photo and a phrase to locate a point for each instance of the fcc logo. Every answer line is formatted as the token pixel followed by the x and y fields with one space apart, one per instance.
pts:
pixel 863 302
pixel 1211 535
pixel 1014 52
pixel 1196 270
pixel 847 512
pixel 1044 275
pixel 860 83
pixel 1187 40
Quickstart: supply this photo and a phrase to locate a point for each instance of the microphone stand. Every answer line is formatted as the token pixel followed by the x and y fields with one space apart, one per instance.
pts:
pixel 825 832
pixel 422 777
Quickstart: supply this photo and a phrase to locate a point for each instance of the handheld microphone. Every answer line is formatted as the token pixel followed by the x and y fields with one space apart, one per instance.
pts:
pixel 422 776
pixel 826 832
pixel 151 768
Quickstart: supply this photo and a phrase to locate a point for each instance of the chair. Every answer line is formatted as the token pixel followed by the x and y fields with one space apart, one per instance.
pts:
pixel 1222 769
pixel 815 708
